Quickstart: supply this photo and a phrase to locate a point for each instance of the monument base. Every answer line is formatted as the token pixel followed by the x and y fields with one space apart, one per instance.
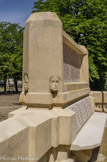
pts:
pixel 46 100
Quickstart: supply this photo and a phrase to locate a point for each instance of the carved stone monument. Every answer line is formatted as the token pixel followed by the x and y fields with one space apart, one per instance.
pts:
pixel 56 117
pixel 49 51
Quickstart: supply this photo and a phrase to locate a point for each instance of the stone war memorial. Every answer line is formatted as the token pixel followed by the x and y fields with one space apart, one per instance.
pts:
pixel 57 121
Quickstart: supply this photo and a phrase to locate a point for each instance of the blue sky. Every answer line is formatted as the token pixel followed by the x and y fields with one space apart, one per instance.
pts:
pixel 15 11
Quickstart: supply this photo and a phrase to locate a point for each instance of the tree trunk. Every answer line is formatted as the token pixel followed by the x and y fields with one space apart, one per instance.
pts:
pixel 16 87
pixel 4 86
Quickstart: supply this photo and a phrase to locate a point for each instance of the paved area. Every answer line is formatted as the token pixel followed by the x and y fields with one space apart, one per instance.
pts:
pixel 10 103
pixel 102 156
pixel 102 151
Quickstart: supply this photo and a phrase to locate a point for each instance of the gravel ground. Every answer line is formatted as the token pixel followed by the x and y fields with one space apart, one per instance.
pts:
pixel 102 156
pixel 8 103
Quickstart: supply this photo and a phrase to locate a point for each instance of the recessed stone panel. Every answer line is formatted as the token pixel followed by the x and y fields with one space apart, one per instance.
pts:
pixel 83 111
pixel 71 64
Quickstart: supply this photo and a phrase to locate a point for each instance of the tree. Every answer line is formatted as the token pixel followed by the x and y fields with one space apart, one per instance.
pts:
pixel 11 44
pixel 85 22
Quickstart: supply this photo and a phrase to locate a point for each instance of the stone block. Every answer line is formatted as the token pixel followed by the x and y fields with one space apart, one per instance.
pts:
pixel 51 58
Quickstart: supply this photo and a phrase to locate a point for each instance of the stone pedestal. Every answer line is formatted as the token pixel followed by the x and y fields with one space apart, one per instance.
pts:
pixel 50 60
pixel 43 58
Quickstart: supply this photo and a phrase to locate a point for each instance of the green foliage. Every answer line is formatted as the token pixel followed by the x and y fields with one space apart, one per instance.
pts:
pixel 11 44
pixel 85 22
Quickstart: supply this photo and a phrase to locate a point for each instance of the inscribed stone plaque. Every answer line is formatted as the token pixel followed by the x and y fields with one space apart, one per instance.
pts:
pixel 71 64
pixel 83 111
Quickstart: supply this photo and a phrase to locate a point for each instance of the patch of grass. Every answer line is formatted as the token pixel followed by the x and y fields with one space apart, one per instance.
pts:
pixel 1 88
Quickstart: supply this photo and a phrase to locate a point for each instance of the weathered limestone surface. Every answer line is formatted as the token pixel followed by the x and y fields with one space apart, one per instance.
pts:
pixel 50 52
pixel 83 111
pixel 100 100
pixel 72 65
pixel 97 96
pixel 90 137
pixel 14 138
pixel 44 129
pixel 43 48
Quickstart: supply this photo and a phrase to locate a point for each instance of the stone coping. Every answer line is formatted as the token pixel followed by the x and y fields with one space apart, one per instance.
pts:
pixel 62 100
pixel 98 96
pixel 70 86
pixel 72 44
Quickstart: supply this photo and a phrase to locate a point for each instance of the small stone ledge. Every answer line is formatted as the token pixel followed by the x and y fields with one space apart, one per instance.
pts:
pixel 90 136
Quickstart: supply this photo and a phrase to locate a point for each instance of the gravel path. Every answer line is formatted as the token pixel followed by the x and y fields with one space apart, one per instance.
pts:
pixel 8 103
